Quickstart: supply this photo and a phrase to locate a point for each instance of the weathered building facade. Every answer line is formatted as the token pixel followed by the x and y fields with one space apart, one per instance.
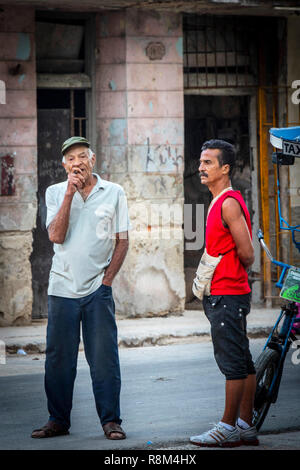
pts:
pixel 147 82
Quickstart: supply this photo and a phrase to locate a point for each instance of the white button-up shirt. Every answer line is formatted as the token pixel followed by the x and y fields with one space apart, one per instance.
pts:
pixel 78 264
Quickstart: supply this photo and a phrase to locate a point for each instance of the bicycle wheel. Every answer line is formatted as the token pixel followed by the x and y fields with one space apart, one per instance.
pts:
pixel 266 366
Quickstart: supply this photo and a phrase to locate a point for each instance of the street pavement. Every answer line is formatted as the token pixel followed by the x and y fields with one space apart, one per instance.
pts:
pixel 141 331
pixel 170 390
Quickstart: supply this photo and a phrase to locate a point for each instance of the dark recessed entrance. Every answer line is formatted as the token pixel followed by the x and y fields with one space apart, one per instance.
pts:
pixel 213 117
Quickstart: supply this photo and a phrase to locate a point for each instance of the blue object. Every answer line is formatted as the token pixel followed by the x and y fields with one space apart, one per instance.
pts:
pixel 277 135
pixel 271 361
pixel 21 352
pixel 287 140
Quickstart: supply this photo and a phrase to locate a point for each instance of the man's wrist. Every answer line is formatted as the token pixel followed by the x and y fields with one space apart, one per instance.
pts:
pixel 106 281
pixel 69 194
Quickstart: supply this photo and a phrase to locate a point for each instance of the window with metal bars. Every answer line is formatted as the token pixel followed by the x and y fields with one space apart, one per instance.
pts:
pixel 74 100
pixel 219 51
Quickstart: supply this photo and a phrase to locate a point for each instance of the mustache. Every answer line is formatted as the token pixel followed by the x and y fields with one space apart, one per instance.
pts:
pixel 202 173
pixel 78 169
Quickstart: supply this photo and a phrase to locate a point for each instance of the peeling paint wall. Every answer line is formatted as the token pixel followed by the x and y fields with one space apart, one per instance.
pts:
pixel 18 137
pixel 140 128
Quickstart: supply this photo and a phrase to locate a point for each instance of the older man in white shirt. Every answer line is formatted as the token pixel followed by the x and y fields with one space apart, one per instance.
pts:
pixel 87 220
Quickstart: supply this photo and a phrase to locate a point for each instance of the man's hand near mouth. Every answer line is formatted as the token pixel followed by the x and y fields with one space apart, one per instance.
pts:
pixel 76 181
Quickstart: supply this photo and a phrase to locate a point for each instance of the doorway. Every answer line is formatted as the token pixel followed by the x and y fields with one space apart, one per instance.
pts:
pixel 54 123
pixel 213 117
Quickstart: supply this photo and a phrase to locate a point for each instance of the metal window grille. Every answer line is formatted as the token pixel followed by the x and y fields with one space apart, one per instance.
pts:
pixel 78 123
pixel 219 51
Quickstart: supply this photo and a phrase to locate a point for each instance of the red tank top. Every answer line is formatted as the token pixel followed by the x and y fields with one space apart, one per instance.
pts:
pixel 230 276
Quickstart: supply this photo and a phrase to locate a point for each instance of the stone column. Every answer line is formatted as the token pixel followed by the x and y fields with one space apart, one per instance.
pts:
pixel 141 132
pixel 18 137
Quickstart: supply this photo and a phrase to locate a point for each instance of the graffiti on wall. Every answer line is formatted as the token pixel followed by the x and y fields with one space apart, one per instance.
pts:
pixel 163 158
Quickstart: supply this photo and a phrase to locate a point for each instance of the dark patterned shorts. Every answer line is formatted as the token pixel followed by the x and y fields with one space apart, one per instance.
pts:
pixel 227 317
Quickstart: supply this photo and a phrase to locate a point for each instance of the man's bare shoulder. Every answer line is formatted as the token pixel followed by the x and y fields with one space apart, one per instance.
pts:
pixel 230 203
pixel 231 209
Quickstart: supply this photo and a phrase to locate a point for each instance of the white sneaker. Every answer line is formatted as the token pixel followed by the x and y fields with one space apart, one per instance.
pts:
pixel 217 437
pixel 248 436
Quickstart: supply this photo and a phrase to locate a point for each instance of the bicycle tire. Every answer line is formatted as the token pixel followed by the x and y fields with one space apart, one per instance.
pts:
pixel 265 366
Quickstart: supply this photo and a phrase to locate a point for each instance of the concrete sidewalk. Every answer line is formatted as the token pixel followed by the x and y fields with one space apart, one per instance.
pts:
pixel 192 325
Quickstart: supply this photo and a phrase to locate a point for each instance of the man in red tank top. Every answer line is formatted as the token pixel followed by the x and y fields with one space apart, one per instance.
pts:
pixel 228 233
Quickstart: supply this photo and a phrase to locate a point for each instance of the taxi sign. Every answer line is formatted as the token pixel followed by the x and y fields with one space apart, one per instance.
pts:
pixel 291 148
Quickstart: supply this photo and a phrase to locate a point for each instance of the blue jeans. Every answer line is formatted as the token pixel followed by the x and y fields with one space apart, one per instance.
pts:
pixel 97 314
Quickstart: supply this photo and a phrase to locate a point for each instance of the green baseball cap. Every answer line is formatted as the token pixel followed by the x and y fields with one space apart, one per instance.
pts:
pixel 74 141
